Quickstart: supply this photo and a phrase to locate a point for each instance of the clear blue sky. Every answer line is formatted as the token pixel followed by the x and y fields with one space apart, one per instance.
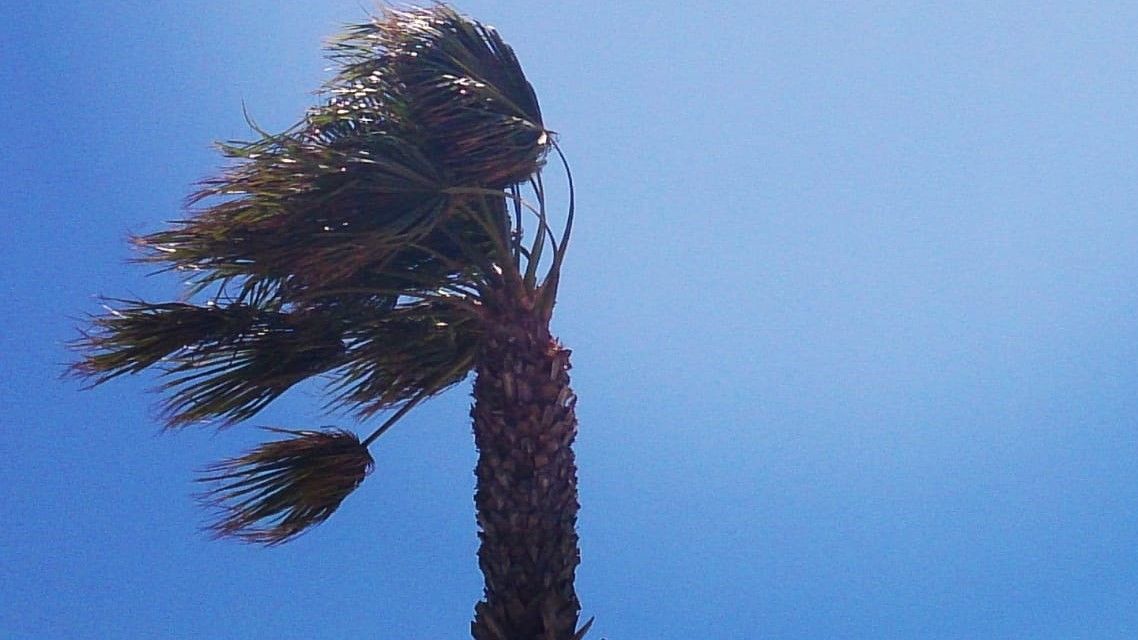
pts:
pixel 852 301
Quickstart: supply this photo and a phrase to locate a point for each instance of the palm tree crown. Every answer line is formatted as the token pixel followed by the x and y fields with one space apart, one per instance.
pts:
pixel 383 243
pixel 360 243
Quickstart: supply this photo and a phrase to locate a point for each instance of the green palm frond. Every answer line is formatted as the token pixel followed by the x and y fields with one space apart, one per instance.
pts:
pixel 282 488
pixel 229 362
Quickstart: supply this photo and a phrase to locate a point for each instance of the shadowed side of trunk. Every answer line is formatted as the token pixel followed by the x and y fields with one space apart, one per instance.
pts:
pixel 526 497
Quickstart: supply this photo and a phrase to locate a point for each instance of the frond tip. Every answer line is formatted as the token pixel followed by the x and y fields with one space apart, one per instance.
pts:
pixel 282 488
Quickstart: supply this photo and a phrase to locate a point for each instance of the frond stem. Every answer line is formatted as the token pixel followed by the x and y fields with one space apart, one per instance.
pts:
pixel 553 277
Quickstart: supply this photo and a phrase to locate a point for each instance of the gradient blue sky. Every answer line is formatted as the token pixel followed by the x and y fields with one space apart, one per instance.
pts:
pixel 852 302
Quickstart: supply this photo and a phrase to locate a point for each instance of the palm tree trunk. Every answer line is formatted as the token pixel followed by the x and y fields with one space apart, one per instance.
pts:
pixel 526 496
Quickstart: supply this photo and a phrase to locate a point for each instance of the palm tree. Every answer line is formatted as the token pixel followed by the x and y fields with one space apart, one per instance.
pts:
pixel 392 241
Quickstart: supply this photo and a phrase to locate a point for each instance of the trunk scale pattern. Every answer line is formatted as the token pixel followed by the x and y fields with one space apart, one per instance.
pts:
pixel 526 496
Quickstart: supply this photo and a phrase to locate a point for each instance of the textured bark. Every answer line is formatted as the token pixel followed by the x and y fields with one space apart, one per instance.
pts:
pixel 524 426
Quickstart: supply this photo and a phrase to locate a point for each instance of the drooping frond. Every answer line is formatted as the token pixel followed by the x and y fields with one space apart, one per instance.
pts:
pixel 282 488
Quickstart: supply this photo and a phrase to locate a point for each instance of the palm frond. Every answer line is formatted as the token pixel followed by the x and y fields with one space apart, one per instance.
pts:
pixel 415 351
pixel 462 90
pixel 425 101
pixel 138 335
pixel 283 488
pixel 222 361
pixel 235 381
pixel 304 210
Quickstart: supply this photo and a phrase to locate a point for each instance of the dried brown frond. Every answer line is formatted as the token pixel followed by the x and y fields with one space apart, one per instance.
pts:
pixel 283 488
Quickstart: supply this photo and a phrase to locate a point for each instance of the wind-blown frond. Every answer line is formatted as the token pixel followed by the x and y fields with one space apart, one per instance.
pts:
pixel 426 101
pixel 282 488
pixel 223 362
pixel 236 381
pixel 297 209
pixel 416 351
pixel 138 334
pixel 462 85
